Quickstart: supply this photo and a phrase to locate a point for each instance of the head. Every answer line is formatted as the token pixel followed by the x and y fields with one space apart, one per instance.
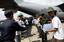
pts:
pixel 35 16
pixel 51 12
pixel 20 17
pixel 9 14
pixel 42 16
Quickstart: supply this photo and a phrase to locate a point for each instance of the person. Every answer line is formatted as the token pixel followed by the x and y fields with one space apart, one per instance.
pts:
pixel 58 34
pixel 43 20
pixel 9 27
pixel 35 23
pixel 18 33
pixel 28 23
pixel 21 22
pixel 35 20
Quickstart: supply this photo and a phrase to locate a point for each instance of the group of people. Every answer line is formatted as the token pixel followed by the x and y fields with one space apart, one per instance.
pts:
pixel 9 26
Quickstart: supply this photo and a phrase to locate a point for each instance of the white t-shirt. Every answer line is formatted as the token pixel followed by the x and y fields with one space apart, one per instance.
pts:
pixel 35 21
pixel 56 23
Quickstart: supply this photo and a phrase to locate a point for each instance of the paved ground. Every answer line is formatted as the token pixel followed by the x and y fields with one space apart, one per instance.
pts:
pixel 34 38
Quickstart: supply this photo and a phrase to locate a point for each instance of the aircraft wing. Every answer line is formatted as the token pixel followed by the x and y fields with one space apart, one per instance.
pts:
pixel 27 7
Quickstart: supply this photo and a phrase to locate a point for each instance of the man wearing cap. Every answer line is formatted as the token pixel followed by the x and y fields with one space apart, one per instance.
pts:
pixel 56 26
pixel 9 27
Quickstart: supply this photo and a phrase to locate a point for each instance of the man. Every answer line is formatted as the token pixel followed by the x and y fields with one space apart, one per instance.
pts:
pixel 22 24
pixel 35 23
pixel 56 26
pixel 9 27
pixel 43 20
pixel 21 20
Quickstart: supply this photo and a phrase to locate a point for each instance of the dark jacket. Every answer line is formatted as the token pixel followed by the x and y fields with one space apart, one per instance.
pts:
pixel 8 28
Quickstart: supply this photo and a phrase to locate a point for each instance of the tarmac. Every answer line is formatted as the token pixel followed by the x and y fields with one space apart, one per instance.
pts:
pixel 34 37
